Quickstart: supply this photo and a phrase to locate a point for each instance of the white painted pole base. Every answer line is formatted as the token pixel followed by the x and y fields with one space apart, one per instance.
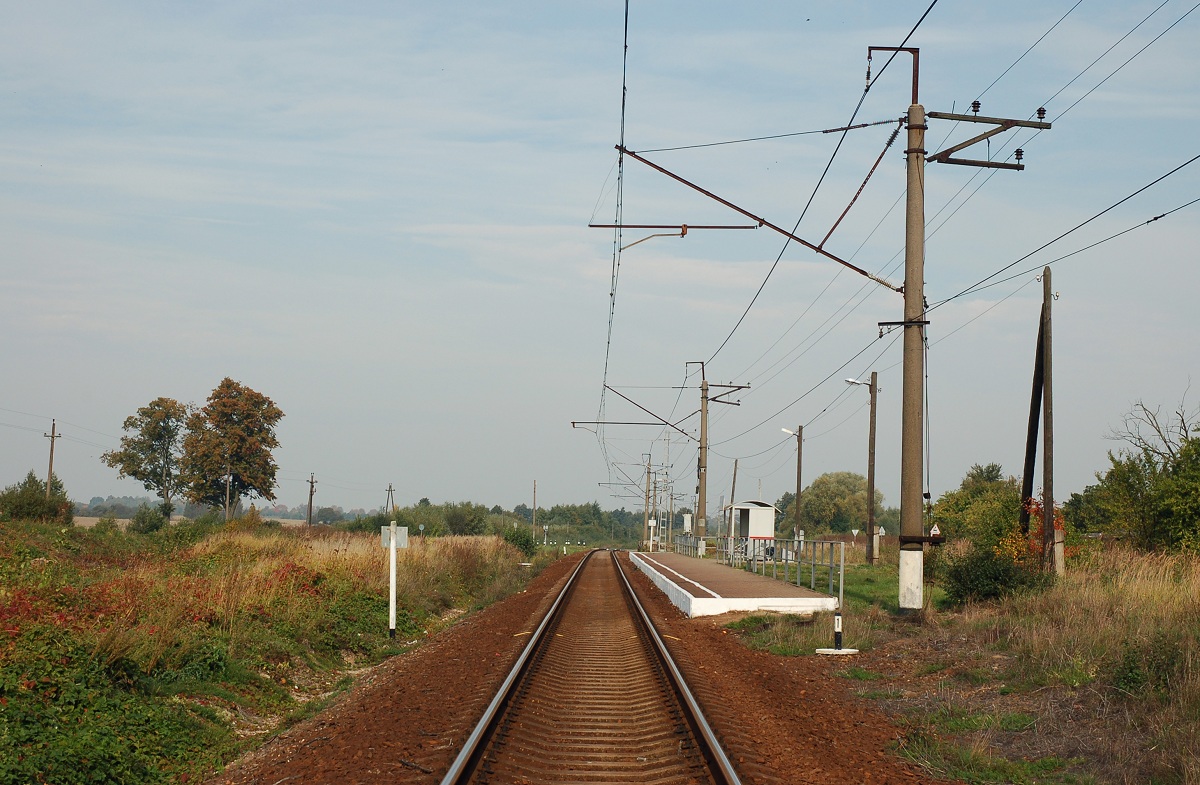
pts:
pixel 912 580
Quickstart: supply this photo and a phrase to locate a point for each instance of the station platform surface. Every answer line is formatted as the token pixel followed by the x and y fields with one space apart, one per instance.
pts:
pixel 702 587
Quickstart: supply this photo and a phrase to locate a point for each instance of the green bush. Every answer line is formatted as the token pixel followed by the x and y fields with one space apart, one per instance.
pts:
pixel 147 520
pixel 522 539
pixel 105 526
pixel 27 500
pixel 982 574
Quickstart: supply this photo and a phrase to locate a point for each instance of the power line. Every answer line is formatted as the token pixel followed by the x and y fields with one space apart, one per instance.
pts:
pixel 760 385
pixel 820 181
pixel 20 427
pixel 766 138
pixel 1127 62
pixel 1025 143
pixel 887 268
pixel 842 422
pixel 1113 206
pixel 616 256
pixel 1077 252
pixel 802 396
pixel 1033 46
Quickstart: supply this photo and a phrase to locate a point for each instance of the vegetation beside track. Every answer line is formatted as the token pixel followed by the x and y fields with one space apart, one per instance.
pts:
pixel 141 658
pixel 1093 678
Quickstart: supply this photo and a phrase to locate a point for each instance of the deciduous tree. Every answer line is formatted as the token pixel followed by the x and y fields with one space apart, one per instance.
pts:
pixel 227 449
pixel 983 509
pixel 151 449
pixel 836 501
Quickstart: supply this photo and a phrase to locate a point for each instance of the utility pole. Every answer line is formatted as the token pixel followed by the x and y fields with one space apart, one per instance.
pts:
pixel 535 510
pixel 646 507
pixel 52 436
pixel 799 434
pixel 912 528
pixel 389 506
pixel 1053 538
pixel 657 530
pixel 912 496
pixel 873 388
pixel 871 553
pixel 671 512
pixel 1031 436
pixel 312 489
pixel 702 461
pixel 733 488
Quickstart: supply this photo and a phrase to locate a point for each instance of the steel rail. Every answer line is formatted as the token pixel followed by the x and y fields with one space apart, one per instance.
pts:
pixel 719 764
pixel 463 765
pixel 720 767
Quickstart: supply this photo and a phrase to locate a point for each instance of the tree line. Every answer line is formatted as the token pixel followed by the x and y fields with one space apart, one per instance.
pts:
pixel 219 454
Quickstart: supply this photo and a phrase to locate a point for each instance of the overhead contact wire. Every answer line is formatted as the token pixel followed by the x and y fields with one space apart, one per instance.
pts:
pixel 820 181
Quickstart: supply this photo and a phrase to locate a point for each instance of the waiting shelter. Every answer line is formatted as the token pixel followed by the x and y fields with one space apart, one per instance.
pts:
pixel 754 520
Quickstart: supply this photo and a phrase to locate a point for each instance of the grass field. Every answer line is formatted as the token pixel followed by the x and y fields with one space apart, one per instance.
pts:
pixel 153 658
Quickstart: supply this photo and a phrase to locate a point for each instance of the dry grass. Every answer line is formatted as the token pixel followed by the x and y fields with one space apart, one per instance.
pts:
pixel 1123 630
pixel 228 583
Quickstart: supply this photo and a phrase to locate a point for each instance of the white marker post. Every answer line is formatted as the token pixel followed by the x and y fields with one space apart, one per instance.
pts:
pixel 837 638
pixel 392 538
pixel 392 580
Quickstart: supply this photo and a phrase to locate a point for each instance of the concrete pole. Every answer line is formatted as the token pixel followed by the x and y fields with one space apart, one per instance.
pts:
pixel 702 463
pixel 535 510
pixel 646 516
pixel 799 482
pixel 1053 539
pixel 671 516
pixel 912 556
pixel 871 554
pixel 657 530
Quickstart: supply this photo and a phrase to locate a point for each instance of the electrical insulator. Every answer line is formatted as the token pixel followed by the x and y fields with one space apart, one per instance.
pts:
pixel 1019 154
pixel 975 107
pixel 1041 113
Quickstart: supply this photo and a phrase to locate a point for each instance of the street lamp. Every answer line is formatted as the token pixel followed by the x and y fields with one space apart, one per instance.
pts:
pixel 872 387
pixel 799 434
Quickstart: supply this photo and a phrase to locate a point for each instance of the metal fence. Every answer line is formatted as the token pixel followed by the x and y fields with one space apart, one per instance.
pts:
pixel 822 562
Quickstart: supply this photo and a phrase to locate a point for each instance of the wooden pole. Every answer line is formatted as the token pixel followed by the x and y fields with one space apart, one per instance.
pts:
pixel 1031 437
pixel 52 436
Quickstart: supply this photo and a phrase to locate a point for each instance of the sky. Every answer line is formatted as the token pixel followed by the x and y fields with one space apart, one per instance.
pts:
pixel 376 214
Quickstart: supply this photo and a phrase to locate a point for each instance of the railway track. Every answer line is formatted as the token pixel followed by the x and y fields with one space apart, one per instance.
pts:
pixel 594 697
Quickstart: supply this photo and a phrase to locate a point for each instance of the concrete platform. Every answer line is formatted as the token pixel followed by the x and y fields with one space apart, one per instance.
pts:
pixel 702 587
